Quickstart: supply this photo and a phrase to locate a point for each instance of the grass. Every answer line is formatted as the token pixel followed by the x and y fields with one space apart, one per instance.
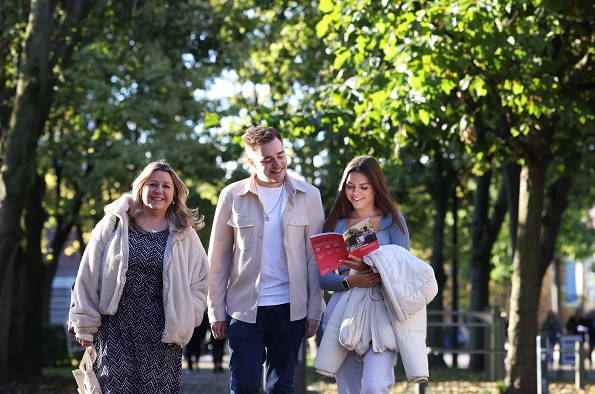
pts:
pixel 61 372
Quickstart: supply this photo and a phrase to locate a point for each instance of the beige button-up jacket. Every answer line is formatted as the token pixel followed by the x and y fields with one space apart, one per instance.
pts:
pixel 236 251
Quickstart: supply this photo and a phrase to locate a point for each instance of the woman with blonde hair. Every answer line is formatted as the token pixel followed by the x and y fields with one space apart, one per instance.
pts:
pixel 142 284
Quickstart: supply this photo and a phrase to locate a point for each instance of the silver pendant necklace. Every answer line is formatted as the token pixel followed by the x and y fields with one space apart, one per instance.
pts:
pixel 144 223
pixel 266 215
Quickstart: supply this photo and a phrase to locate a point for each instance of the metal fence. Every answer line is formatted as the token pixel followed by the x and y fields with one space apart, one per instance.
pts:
pixel 494 338
pixel 574 356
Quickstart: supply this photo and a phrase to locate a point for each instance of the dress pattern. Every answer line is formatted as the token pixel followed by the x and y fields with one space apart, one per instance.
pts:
pixel 131 357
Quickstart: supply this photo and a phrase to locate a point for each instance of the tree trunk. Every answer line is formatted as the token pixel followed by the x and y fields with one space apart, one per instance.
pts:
pixel 557 204
pixel 26 324
pixel 439 188
pixel 480 255
pixel 484 234
pixel 512 173
pixel 30 112
pixel 521 370
pixel 558 284
pixel 43 47
pixel 6 294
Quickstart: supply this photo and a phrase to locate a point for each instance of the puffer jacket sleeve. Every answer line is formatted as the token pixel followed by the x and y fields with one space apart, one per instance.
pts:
pixel 331 353
pixel 409 285
pixel 383 334
pixel 355 331
pixel 409 282
pixel 411 339
pixel 366 321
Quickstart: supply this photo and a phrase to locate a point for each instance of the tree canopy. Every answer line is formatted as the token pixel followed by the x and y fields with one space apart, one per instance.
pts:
pixel 481 114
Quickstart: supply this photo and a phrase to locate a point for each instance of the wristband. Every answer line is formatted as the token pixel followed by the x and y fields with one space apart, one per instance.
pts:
pixel 345 283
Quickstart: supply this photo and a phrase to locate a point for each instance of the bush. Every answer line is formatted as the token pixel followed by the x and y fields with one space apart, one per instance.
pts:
pixel 54 350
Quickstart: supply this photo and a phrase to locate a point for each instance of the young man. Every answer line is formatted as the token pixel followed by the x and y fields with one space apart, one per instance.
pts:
pixel 263 292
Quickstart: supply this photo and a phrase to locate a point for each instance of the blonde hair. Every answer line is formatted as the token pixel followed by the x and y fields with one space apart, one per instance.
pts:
pixel 178 212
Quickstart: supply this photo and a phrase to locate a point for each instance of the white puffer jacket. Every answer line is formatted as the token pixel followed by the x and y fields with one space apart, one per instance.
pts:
pixel 391 316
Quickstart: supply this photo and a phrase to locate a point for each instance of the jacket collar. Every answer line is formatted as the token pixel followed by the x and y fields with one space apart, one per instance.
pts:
pixel 120 206
pixel 291 185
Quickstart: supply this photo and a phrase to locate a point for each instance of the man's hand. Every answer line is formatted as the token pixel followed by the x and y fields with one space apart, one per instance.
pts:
pixel 219 329
pixel 311 328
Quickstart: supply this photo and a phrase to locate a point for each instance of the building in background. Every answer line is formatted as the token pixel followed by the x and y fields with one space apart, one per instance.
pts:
pixel 68 264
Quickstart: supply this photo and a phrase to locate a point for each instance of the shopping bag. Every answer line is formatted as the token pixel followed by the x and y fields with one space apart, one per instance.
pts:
pixel 84 375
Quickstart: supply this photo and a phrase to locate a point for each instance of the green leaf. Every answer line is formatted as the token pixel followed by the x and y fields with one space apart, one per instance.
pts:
pixel 322 27
pixel 447 85
pixel 211 120
pixel 326 6
pixel 340 58
pixel 517 88
pixel 424 116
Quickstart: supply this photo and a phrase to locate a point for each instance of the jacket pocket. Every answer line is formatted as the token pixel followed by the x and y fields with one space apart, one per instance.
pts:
pixel 295 230
pixel 243 227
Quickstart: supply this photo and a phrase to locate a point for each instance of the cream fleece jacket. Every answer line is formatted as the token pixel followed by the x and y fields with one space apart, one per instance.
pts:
pixel 102 275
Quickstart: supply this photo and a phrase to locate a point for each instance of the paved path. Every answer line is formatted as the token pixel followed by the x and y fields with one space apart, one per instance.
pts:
pixel 204 380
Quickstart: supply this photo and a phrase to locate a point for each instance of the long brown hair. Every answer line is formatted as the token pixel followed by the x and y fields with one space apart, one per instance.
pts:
pixel 383 199
pixel 178 212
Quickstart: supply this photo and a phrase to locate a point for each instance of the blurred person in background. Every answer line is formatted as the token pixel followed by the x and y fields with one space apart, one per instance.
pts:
pixel 552 329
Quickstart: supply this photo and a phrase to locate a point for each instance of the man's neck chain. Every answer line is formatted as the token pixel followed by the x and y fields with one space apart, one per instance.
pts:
pixel 266 214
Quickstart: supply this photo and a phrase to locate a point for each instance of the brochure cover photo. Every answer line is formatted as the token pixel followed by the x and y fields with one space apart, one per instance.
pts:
pixel 329 248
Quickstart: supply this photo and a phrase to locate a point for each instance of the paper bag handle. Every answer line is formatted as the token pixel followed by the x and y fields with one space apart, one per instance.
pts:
pixel 88 359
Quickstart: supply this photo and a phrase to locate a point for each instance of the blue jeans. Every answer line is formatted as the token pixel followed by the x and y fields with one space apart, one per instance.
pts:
pixel 273 340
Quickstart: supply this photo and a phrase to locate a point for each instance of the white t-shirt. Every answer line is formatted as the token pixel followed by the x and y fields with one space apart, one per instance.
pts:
pixel 274 275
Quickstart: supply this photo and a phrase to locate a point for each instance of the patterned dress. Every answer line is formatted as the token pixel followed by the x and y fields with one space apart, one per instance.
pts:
pixel 131 357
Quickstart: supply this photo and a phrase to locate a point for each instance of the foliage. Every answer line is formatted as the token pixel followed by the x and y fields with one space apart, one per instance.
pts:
pixel 473 84
pixel 577 237
pixel 127 98
pixel 121 91
pixel 503 81
pixel 54 350
pixel 452 65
